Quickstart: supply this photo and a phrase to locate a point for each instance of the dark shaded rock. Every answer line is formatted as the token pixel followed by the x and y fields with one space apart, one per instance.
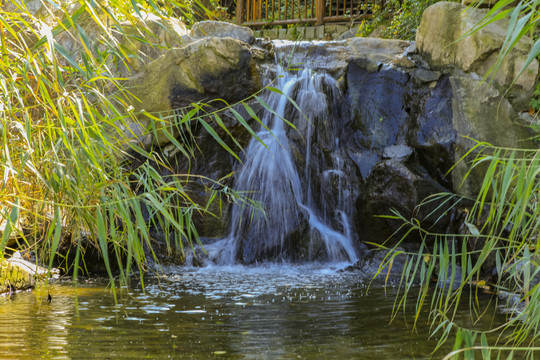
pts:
pixel 422 76
pixel 379 104
pixel 392 185
pixel 371 263
pixel 433 135
pixel 364 160
pixel 254 246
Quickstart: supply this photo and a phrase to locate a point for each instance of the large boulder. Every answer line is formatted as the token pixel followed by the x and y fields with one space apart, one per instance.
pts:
pixel 480 112
pixel 210 68
pixel 211 28
pixel 159 33
pixel 440 38
pixel 459 109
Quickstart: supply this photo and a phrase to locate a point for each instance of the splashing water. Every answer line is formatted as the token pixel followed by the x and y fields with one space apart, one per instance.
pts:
pixel 269 176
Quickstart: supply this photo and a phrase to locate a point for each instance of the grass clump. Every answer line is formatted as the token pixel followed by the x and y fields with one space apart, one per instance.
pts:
pixel 68 180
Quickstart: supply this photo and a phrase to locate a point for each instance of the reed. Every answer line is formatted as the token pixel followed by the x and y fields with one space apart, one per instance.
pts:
pixel 68 180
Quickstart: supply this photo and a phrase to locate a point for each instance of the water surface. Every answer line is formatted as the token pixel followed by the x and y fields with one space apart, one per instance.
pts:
pixel 228 312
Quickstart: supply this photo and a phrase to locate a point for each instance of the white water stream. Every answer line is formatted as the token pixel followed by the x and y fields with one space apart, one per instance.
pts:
pixel 269 176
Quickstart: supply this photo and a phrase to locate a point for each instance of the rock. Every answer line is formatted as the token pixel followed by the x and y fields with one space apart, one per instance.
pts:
pixel 37 8
pixel 211 28
pixel 459 109
pixel 379 110
pixel 481 113
pixel 209 68
pixel 334 57
pixel 162 35
pixel 263 49
pixel 393 184
pixel 351 33
pixel 378 32
pixel 444 279
pixel 397 152
pixel 432 134
pixel 370 265
pixel 483 4
pixel 404 62
pixel 425 76
pixel 19 274
pixel 334 31
pixel 444 23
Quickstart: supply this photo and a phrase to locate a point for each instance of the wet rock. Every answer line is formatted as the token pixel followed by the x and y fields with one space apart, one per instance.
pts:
pixel 401 152
pixel 364 160
pixel 458 109
pixel 445 280
pixel 334 57
pixel 211 28
pixel 432 134
pixel 392 185
pixel 378 261
pixel 379 105
pixel 256 246
pixel 421 76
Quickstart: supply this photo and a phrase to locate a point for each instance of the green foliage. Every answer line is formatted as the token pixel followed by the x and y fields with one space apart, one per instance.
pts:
pixel 397 19
pixel 535 100
pixel 499 236
pixel 522 18
pixel 68 154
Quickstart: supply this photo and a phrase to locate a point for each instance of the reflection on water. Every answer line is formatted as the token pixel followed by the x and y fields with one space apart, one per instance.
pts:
pixel 236 312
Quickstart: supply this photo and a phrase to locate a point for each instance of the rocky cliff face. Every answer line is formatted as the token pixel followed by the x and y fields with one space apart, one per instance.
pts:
pixel 405 115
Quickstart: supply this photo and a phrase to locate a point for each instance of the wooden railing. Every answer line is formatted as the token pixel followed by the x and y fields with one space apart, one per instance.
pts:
pixel 282 12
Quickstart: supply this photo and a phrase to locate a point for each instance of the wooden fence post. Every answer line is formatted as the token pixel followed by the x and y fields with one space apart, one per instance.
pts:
pixel 239 11
pixel 320 5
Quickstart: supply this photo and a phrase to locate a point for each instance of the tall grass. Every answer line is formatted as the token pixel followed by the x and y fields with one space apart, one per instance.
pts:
pixel 496 248
pixel 523 18
pixel 495 251
pixel 68 179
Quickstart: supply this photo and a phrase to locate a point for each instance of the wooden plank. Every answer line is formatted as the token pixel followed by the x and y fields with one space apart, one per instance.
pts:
pixel 239 11
pixel 251 14
pixel 319 10
pixel 281 22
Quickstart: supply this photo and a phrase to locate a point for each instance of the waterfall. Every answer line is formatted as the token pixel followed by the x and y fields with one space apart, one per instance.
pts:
pixel 290 221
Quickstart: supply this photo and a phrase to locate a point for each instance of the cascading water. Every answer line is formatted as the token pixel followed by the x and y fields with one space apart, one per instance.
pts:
pixel 290 222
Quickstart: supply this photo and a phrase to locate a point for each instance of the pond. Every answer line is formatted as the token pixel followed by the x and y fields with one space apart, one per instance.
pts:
pixel 228 312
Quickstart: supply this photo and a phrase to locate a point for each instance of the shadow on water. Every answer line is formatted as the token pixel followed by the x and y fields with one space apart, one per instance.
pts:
pixel 233 312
